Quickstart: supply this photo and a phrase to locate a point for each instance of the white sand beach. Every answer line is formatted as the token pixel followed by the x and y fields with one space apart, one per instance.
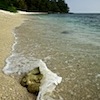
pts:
pixel 10 89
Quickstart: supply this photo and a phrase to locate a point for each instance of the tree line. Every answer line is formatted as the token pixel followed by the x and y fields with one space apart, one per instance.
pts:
pixel 50 6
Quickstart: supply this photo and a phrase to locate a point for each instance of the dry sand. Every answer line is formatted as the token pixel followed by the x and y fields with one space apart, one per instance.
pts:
pixel 10 89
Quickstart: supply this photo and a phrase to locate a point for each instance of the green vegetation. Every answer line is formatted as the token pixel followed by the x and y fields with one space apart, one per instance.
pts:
pixel 7 5
pixel 50 6
pixel 12 9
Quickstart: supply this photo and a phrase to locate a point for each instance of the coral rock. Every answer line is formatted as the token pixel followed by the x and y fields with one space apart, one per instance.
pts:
pixel 32 81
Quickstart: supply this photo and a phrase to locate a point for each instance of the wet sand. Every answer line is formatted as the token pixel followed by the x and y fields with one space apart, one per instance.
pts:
pixel 10 89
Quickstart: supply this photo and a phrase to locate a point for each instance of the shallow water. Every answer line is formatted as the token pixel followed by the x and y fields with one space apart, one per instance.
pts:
pixel 69 45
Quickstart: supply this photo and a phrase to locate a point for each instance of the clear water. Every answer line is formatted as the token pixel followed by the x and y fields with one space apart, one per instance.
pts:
pixel 70 46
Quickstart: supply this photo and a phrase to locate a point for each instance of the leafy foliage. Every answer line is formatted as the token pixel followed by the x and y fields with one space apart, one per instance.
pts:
pixel 12 9
pixel 50 6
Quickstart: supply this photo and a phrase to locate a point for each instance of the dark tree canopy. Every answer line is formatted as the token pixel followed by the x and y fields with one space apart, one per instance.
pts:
pixel 50 6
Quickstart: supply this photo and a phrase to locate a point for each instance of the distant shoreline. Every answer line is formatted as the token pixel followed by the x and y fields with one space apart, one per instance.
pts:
pixel 28 13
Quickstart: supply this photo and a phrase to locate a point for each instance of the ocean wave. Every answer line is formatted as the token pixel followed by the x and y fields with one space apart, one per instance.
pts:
pixel 20 65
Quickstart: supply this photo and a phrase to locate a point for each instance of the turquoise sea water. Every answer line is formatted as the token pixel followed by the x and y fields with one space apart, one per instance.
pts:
pixel 70 46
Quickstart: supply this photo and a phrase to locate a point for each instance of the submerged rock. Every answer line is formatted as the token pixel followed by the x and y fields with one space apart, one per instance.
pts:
pixel 65 32
pixel 32 81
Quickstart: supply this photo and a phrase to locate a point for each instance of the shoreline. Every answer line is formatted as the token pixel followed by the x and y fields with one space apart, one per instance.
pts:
pixel 46 83
pixel 31 13
pixel 9 22
pixel 9 87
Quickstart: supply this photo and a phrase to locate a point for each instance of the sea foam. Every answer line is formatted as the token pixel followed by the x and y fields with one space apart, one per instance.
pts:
pixel 19 64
